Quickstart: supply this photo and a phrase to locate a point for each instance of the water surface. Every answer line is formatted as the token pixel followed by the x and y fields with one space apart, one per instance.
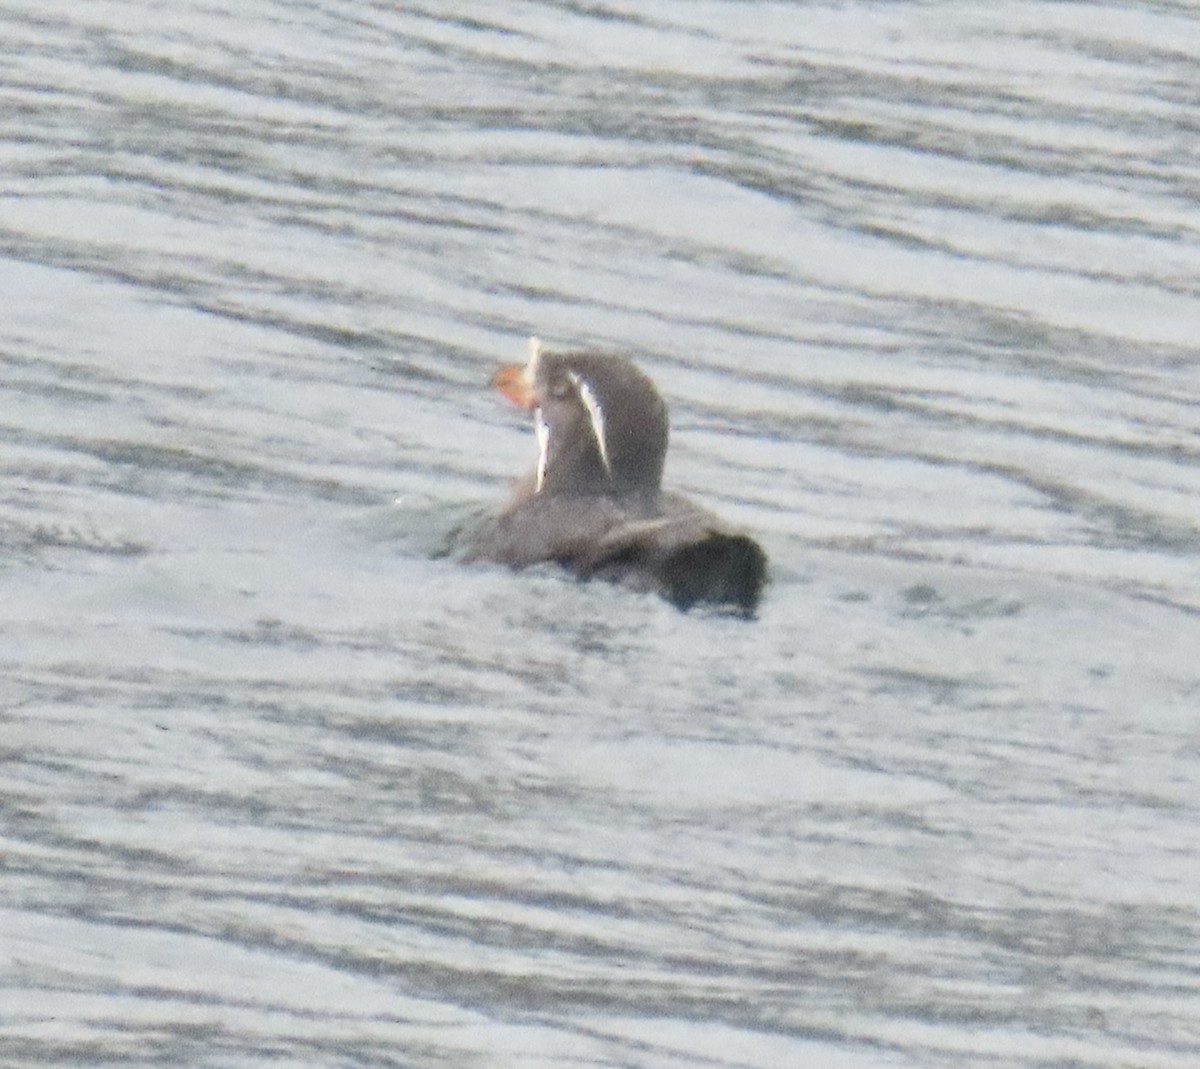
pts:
pixel 282 785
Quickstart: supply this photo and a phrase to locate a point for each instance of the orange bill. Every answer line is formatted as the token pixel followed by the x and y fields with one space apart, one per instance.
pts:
pixel 515 382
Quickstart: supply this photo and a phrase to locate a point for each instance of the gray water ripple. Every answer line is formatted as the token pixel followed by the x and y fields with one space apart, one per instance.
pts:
pixel 283 781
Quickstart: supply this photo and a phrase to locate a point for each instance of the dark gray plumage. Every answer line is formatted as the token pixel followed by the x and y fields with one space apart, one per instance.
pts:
pixel 595 504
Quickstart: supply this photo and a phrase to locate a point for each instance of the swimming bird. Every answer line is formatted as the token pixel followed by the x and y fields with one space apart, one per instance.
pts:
pixel 594 503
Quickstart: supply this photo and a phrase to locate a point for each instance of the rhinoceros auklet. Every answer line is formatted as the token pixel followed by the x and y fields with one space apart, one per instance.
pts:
pixel 595 503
